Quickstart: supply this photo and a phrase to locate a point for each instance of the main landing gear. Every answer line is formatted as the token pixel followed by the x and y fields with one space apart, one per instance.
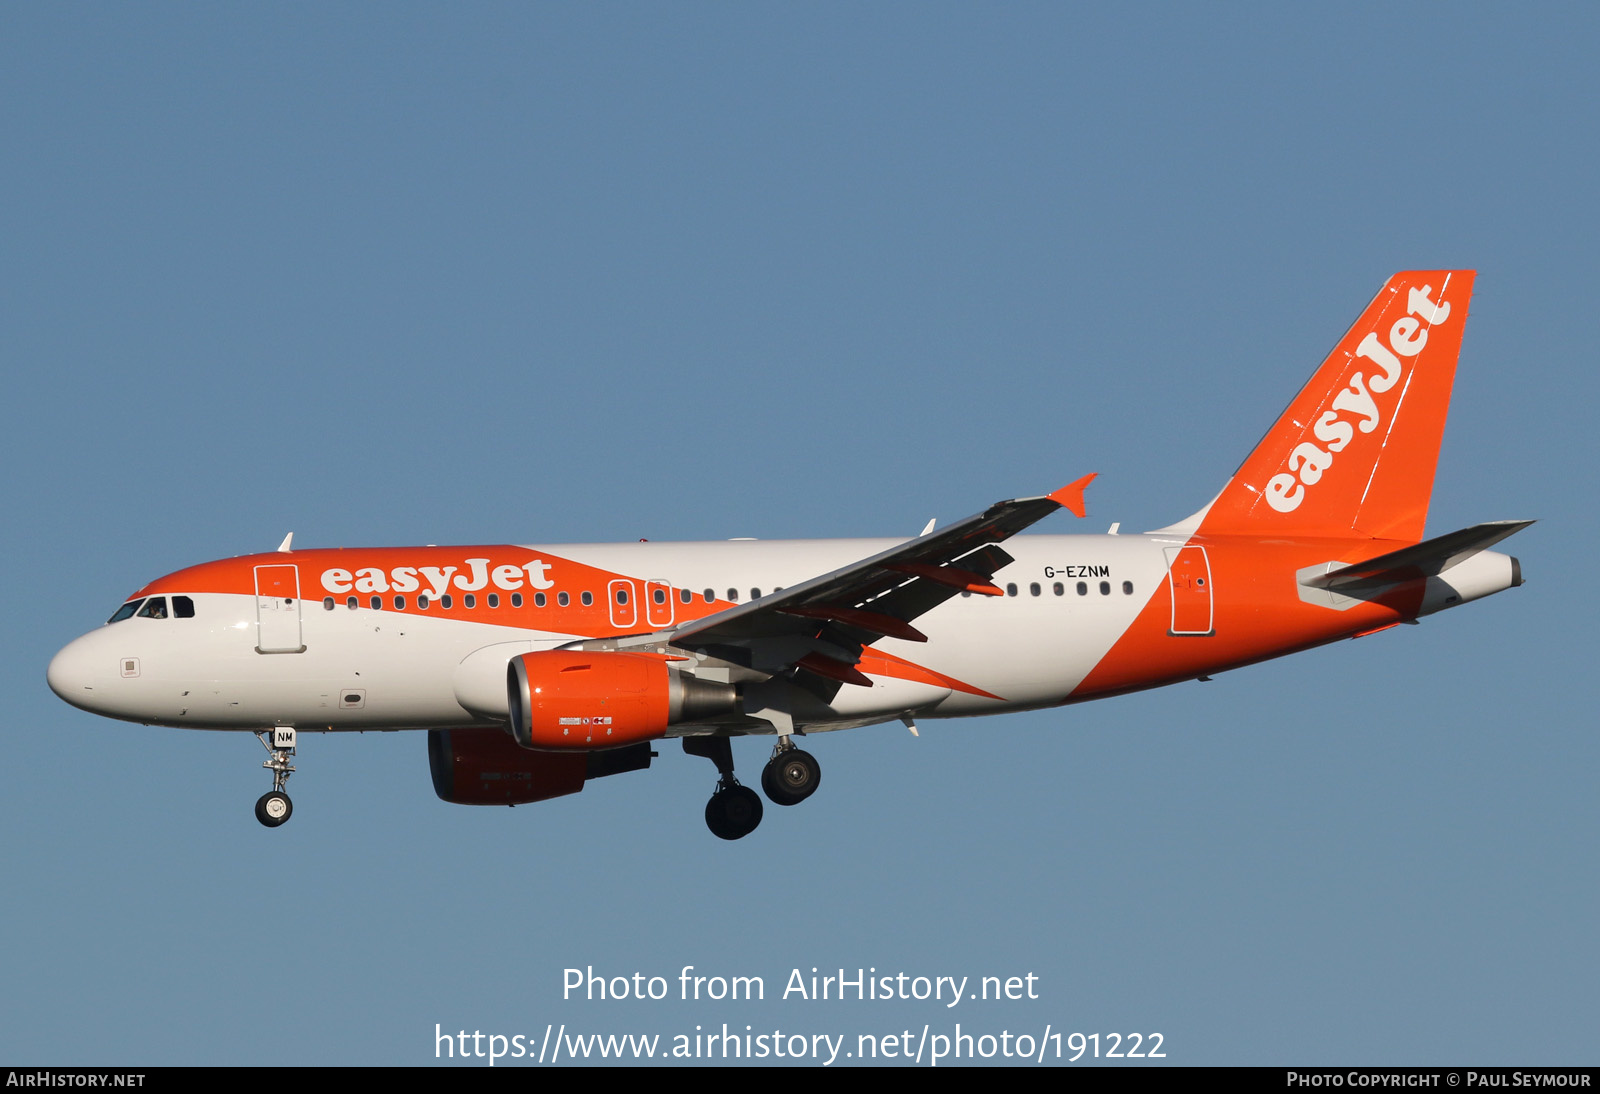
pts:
pixel 274 807
pixel 790 777
pixel 734 810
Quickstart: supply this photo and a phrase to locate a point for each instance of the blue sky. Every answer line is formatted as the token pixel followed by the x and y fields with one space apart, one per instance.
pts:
pixel 405 274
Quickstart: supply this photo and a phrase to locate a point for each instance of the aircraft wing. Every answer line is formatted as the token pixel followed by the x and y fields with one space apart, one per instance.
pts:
pixel 820 626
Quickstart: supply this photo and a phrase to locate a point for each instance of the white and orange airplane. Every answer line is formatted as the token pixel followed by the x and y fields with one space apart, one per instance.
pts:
pixel 535 669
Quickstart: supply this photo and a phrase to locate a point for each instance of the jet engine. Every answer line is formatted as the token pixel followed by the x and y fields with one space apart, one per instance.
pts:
pixel 578 700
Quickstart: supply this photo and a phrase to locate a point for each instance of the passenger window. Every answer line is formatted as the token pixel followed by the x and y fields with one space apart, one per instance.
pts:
pixel 1105 588
pixel 399 603
pixel 516 600
pixel 154 608
pixel 1127 588
pixel 563 599
pixel 422 601
pixel 685 595
pixel 1033 589
pixel 1083 588
pixel 125 612
pixel 588 598
pixel 182 607
pixel 622 596
pixel 1060 589
pixel 755 594
pixel 659 596
pixel 733 596
pixel 494 600
pixel 350 602
pixel 966 592
pixel 327 603
pixel 444 601
pixel 709 595
pixel 469 601
pixel 377 603
pixel 1011 589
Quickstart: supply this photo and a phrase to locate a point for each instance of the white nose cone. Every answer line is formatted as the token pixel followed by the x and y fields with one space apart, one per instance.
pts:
pixel 72 673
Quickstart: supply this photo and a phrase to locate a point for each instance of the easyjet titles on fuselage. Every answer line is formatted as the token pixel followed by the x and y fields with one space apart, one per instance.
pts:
pixel 408 579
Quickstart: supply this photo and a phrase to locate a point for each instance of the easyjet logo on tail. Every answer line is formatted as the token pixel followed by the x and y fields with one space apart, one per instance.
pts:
pixel 1356 407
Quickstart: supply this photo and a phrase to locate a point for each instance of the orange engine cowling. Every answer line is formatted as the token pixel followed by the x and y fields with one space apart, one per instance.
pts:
pixel 485 767
pixel 577 700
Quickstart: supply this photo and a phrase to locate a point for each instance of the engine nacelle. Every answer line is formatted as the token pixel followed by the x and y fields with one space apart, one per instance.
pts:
pixel 577 700
pixel 485 767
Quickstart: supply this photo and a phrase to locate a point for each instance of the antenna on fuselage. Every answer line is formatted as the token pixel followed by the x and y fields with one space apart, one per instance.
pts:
pixel 285 546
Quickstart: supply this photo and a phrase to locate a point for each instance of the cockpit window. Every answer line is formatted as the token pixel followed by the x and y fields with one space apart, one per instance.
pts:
pixel 125 611
pixel 182 607
pixel 154 608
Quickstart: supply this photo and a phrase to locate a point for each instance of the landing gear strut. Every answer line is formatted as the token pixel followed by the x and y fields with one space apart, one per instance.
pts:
pixel 274 807
pixel 734 810
pixel 792 775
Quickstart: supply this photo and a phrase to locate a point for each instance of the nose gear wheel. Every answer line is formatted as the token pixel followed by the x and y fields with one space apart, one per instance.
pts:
pixel 274 807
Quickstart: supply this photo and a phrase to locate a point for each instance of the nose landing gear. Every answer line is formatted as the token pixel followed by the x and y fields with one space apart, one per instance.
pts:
pixel 274 807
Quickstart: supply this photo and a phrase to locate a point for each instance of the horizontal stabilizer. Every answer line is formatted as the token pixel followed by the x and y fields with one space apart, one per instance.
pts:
pixel 1427 559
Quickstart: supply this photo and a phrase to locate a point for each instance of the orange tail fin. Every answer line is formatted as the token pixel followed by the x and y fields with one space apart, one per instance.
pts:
pixel 1355 452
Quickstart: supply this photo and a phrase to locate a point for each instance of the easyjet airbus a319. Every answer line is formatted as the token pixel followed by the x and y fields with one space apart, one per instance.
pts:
pixel 534 669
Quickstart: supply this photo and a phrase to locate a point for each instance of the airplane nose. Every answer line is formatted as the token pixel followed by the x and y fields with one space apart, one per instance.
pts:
pixel 71 674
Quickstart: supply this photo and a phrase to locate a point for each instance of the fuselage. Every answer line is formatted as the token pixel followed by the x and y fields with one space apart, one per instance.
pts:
pixel 419 638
